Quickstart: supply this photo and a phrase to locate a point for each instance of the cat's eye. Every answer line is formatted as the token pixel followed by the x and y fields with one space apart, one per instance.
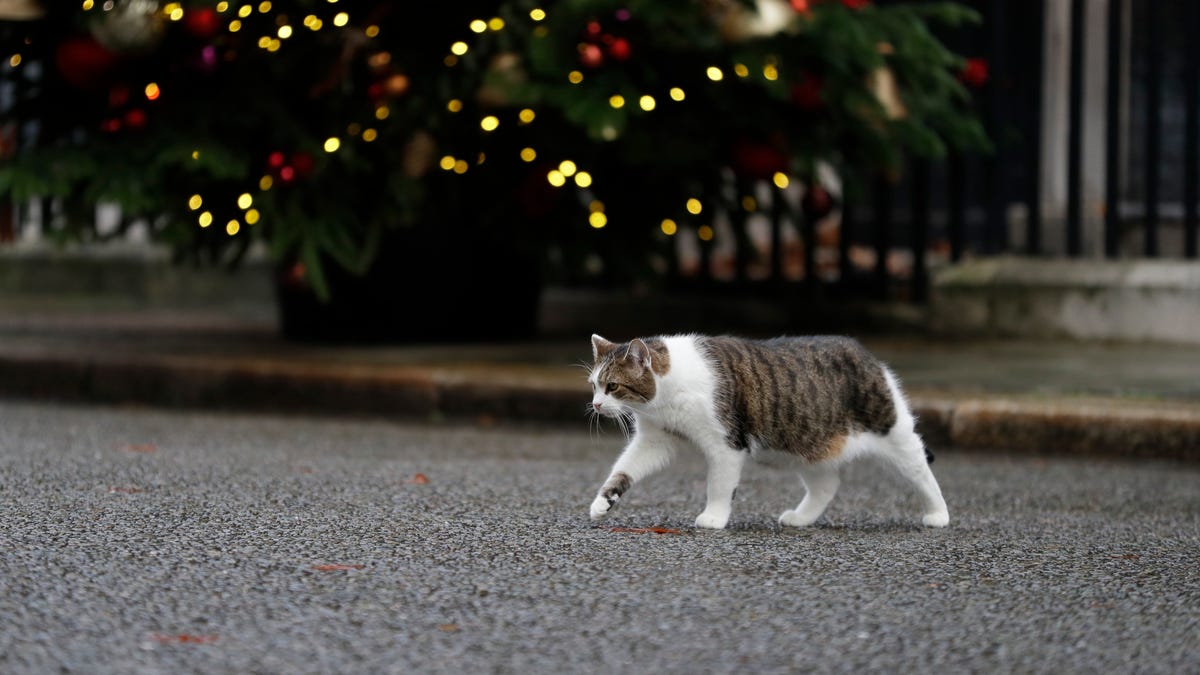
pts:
pixel 611 387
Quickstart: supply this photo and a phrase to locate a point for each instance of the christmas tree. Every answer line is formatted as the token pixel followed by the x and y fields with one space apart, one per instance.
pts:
pixel 574 128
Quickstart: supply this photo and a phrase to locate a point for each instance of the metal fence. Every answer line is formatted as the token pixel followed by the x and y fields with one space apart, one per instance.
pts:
pixel 1094 158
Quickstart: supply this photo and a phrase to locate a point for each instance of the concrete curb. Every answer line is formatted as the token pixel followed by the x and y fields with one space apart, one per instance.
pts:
pixel 1084 426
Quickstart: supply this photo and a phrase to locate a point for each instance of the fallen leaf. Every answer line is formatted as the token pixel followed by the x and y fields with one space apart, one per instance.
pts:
pixel 185 638
pixel 646 530
pixel 420 479
pixel 138 447
pixel 448 627
pixel 337 567
pixel 125 489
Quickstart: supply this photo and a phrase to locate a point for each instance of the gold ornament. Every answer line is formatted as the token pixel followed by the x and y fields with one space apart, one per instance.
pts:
pixel 882 83
pixel 504 74
pixel 419 154
pixel 737 23
pixel 130 26
pixel 21 10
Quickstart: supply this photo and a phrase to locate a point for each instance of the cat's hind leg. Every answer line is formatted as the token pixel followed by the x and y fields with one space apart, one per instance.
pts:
pixel 907 453
pixel 821 483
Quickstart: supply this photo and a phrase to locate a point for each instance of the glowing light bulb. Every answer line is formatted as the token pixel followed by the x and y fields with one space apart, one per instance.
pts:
pixel 454 105
pixel 195 202
pixel 252 216
pixel 694 207
pixel 459 48
pixel 478 26
pixel 244 201
pixel 205 219
pixel 528 154
pixel 265 183
pixel 567 168
pixel 556 178
pixel 668 227
pixel 770 72
pixel 705 233
pixel 583 179
pixel 714 73
pixel 780 179
pixel 526 116
pixel 537 14
pixel 284 32
pixel 575 77
pixel 332 144
pixel 647 103
pixel 598 220
pixel 617 101
pixel 152 91
pixel 369 135
pixel 741 70
pixel 232 227
pixel 341 19
pixel 496 23
pixel 489 123
pixel 677 94
pixel 447 163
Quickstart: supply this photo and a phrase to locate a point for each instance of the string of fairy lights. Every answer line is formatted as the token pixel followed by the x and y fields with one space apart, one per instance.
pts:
pixel 566 173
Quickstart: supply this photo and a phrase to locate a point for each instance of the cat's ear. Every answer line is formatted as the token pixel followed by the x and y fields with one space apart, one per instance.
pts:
pixel 639 352
pixel 601 347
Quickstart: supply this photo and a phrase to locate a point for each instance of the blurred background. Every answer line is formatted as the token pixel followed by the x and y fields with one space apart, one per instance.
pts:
pixel 497 170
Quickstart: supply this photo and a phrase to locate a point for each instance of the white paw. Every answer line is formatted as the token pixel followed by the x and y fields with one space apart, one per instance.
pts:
pixel 601 507
pixel 936 519
pixel 793 518
pixel 712 521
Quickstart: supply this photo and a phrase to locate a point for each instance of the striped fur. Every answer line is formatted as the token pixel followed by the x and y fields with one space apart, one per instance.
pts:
pixel 820 400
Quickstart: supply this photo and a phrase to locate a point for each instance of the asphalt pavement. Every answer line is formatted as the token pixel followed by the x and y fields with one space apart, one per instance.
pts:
pixel 138 540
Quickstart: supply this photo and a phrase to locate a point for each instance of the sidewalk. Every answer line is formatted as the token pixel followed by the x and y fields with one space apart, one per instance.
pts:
pixel 1056 398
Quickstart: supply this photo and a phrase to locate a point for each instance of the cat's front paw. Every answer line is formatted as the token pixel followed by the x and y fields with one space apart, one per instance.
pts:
pixel 602 505
pixel 712 521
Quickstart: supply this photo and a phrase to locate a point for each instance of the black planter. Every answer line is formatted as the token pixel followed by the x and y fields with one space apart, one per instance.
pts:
pixel 426 285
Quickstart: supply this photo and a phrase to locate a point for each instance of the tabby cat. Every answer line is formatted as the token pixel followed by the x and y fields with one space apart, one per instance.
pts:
pixel 823 401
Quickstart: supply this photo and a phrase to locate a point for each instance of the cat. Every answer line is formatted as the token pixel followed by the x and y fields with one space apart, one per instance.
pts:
pixel 821 400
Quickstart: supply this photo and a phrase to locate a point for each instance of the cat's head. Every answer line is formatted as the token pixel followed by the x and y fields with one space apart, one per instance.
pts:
pixel 623 375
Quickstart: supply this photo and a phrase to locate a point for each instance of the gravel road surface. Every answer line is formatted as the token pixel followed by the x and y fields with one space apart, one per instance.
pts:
pixel 136 541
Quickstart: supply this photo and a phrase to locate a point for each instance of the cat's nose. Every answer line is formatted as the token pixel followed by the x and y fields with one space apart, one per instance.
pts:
pixel 597 405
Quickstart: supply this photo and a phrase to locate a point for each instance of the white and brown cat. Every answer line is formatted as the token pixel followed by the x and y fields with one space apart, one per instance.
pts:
pixel 823 401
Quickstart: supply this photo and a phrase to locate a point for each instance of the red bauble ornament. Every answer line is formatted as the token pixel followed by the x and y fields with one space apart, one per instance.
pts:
pixel 594 29
pixel 303 163
pixel 275 160
pixel 591 55
pixel 975 72
pixel 84 63
pixel 118 96
pixel 816 203
pixel 806 94
pixel 619 49
pixel 203 22
pixel 135 118
pixel 757 160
